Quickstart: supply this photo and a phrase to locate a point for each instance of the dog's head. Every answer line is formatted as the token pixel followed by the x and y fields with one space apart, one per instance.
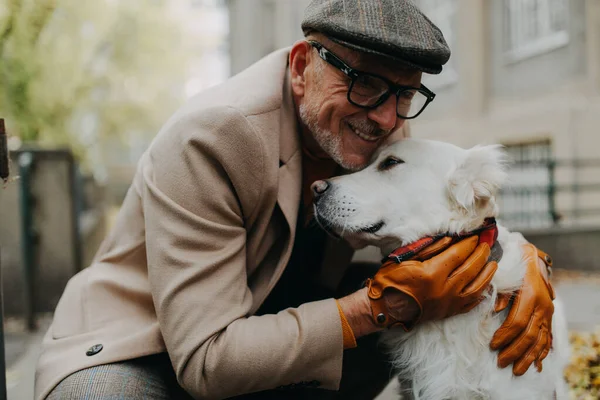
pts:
pixel 414 188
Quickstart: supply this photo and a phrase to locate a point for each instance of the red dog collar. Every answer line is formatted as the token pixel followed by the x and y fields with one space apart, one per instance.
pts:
pixel 488 233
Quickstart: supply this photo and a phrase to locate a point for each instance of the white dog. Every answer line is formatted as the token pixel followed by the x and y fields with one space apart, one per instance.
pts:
pixel 418 188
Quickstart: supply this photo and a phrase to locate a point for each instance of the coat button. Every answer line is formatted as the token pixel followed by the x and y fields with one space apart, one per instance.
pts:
pixel 95 349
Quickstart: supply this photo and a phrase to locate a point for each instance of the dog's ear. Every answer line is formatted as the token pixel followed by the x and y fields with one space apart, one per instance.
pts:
pixel 478 176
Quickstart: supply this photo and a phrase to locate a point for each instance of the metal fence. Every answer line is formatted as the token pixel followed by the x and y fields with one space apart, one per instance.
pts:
pixel 548 193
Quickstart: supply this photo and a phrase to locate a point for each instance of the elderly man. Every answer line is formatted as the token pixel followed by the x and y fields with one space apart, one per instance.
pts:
pixel 214 283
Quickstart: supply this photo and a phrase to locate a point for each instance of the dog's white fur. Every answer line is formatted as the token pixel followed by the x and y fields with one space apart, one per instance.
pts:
pixel 443 188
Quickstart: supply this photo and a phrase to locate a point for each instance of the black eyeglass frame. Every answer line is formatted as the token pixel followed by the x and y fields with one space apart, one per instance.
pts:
pixel 354 74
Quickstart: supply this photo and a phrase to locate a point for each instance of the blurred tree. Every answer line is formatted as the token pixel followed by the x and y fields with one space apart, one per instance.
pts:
pixel 20 27
pixel 73 72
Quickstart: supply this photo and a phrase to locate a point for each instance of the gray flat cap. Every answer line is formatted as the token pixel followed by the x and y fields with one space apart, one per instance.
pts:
pixel 396 29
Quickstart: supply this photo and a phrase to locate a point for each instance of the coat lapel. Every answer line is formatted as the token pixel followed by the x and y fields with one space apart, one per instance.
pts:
pixel 289 176
pixel 290 158
pixel 288 194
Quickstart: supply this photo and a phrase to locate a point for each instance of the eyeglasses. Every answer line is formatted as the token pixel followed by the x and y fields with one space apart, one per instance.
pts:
pixel 369 91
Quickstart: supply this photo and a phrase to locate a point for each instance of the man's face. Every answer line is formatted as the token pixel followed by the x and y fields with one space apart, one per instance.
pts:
pixel 350 135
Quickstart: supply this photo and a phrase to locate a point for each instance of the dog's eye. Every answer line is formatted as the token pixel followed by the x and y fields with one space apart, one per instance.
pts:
pixel 389 163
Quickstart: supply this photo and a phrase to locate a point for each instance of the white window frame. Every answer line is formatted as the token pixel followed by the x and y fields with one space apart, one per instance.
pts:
pixel 522 176
pixel 528 27
pixel 443 14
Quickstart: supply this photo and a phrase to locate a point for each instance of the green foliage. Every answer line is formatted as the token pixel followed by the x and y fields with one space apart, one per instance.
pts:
pixel 74 72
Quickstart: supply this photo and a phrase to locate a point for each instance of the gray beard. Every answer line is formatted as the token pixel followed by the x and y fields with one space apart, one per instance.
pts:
pixel 327 141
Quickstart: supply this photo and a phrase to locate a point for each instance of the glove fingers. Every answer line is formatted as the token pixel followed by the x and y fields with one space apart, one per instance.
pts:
pixel 502 301
pixel 453 257
pixel 545 352
pixel 472 266
pixel 433 249
pixel 468 307
pixel 538 365
pixel 520 345
pixel 509 329
pixel 522 364
pixel 481 281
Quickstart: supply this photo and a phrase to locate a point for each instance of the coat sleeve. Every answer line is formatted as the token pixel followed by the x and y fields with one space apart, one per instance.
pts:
pixel 201 181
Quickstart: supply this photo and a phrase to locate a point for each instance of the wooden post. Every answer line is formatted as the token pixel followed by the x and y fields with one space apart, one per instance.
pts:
pixel 3 176
pixel 3 152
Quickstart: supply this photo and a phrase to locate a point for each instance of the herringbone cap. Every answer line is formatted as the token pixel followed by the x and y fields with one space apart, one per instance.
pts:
pixel 396 29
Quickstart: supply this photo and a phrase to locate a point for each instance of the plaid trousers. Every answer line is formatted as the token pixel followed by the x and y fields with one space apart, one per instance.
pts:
pixel 146 378
pixel 365 373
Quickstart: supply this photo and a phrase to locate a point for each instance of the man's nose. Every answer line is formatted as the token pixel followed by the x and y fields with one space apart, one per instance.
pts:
pixel 385 115
pixel 319 188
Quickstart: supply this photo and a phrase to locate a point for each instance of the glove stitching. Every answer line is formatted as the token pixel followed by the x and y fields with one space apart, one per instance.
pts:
pixel 525 358
pixel 545 330
pixel 511 316
pixel 485 282
pixel 547 348
pixel 524 335
pixel 474 256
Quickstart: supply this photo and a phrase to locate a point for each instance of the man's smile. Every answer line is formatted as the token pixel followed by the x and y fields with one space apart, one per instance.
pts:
pixel 367 136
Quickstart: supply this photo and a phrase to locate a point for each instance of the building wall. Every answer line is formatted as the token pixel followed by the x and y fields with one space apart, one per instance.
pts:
pixel 552 96
pixel 258 27
pixel 483 95
pixel 511 78
pixel 572 249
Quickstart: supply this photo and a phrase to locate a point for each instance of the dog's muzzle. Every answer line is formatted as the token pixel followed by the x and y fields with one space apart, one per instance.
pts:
pixel 319 188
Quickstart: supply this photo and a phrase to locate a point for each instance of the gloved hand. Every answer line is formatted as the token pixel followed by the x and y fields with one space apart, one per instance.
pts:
pixel 447 284
pixel 525 337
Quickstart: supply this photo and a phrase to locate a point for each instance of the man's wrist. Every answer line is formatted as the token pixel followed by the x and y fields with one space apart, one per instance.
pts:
pixel 357 309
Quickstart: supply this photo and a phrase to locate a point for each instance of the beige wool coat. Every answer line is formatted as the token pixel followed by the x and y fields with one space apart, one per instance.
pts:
pixel 204 233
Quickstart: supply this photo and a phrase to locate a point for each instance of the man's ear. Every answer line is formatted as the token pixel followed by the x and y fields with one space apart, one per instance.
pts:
pixel 478 176
pixel 298 62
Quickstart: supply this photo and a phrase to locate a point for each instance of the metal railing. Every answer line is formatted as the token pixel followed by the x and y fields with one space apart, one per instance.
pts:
pixel 551 193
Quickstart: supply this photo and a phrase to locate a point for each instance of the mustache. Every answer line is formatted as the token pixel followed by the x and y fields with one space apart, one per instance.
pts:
pixel 368 127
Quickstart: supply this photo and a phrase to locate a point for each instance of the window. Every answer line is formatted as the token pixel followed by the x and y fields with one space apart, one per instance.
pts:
pixel 526 201
pixel 443 14
pixel 207 3
pixel 533 27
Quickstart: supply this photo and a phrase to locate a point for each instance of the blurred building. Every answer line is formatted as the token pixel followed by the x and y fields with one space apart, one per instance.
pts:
pixel 204 25
pixel 206 22
pixel 524 73
pixel 258 27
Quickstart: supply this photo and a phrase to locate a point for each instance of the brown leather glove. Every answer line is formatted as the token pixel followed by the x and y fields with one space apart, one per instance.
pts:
pixel 525 337
pixel 447 284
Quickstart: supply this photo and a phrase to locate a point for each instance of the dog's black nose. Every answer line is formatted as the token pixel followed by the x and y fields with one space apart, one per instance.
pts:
pixel 319 187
